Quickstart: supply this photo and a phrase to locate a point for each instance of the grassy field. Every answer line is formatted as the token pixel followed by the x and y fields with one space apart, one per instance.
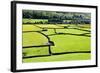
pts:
pixel 33 21
pixel 30 28
pixel 31 38
pixel 63 57
pixel 71 39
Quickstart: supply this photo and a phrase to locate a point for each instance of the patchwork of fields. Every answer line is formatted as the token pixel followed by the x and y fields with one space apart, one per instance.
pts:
pixel 56 42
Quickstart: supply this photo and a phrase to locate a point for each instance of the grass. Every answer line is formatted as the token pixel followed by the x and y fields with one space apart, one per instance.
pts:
pixel 34 39
pixel 73 31
pixel 64 57
pixel 68 43
pixel 63 43
pixel 49 26
pixel 33 20
pixel 28 27
pixel 34 51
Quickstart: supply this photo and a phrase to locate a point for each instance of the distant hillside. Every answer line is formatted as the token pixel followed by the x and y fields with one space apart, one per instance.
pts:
pixel 36 14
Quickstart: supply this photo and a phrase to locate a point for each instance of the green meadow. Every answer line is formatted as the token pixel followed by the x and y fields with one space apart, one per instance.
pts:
pixel 70 43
